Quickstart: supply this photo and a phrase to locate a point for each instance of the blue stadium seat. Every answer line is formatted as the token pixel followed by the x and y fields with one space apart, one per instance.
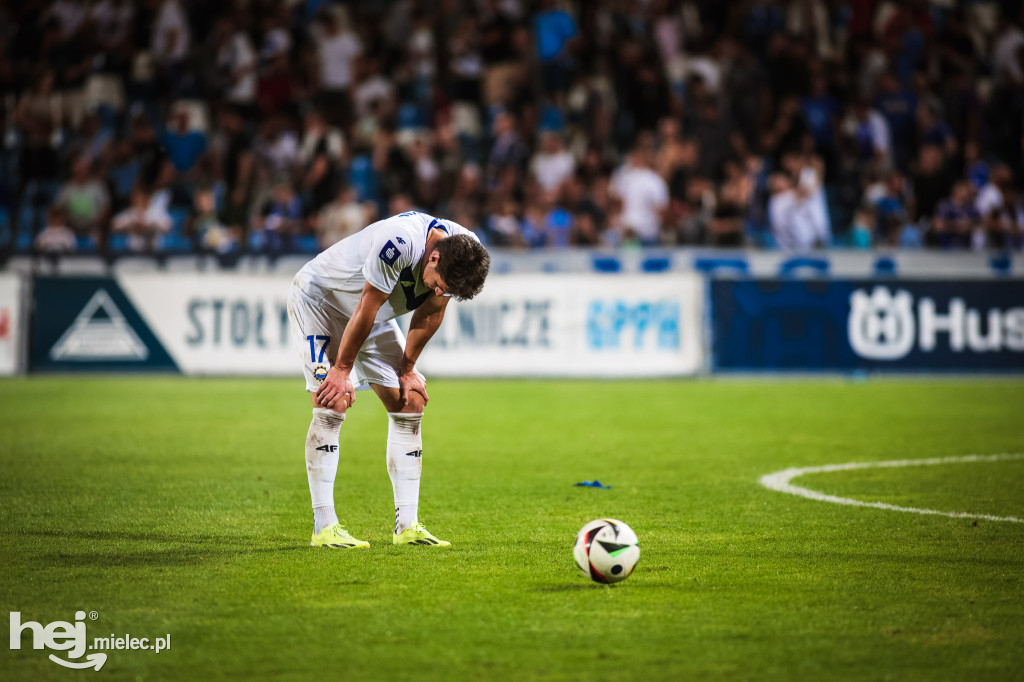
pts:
pixel 179 216
pixel 711 265
pixel 5 227
pixel 655 264
pixel 84 243
pixel 26 224
pixel 174 242
pixel 799 264
pixel 607 264
pixel 885 266
pixel 118 243
pixel 1001 263
pixel 307 243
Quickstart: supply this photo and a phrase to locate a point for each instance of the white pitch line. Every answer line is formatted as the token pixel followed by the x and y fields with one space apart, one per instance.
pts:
pixel 780 481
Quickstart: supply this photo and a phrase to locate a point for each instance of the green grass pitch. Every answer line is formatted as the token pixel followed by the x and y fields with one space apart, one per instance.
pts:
pixel 171 505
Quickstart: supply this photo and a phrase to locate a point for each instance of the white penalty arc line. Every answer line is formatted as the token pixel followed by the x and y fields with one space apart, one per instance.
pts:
pixel 780 481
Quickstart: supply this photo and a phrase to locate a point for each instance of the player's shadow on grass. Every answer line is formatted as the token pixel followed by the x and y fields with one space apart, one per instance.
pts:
pixel 190 549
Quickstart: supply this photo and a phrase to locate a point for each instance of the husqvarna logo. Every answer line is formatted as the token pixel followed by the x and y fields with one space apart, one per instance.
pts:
pixel 885 326
pixel 881 325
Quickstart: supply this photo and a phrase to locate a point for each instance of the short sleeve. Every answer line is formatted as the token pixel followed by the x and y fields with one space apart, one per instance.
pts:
pixel 390 253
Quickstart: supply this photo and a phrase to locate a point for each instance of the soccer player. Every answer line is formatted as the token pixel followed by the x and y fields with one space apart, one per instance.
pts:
pixel 341 310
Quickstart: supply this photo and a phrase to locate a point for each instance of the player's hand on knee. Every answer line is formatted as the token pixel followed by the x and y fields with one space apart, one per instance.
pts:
pixel 413 382
pixel 336 392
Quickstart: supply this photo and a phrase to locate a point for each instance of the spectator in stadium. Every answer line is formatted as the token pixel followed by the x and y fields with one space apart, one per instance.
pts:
pixel 889 199
pixel 85 200
pixel 932 181
pixel 123 170
pixel 898 105
pixel 555 30
pixel 184 144
pixel 211 234
pixel 280 219
pixel 142 222
pixel 56 237
pixel 340 218
pixel 999 210
pixel 868 136
pixel 236 65
pixel 552 164
pixel 642 195
pixel 508 156
pixel 39 117
pixel 172 36
pixel 504 226
pixel 319 158
pixel 727 227
pixel 955 220
pixel 234 162
pixel 796 210
pixel 337 49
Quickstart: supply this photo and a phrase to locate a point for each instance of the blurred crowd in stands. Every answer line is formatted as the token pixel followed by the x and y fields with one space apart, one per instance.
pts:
pixel 285 125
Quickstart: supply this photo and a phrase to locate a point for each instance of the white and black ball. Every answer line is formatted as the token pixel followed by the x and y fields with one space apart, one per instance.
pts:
pixel 606 550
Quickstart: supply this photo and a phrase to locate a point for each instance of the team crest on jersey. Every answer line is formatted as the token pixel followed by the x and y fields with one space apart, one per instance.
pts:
pixel 389 254
pixel 320 373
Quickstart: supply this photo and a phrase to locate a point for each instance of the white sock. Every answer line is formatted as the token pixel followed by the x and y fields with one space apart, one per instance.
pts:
pixel 322 464
pixel 405 464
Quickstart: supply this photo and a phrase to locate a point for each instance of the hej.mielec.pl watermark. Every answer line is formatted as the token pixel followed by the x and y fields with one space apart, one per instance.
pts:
pixel 71 638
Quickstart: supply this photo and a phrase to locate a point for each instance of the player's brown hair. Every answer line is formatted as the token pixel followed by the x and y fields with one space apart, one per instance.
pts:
pixel 463 265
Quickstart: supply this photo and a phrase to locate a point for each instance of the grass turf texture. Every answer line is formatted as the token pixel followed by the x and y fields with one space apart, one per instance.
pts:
pixel 172 505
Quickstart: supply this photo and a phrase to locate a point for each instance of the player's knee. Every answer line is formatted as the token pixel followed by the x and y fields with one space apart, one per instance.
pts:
pixel 341 406
pixel 415 405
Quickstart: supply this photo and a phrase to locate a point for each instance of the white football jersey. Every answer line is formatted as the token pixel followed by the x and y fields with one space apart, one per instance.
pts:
pixel 386 254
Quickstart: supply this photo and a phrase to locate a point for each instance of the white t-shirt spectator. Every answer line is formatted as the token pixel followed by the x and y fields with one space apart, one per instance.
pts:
pixel 799 224
pixel 142 225
pixel 989 199
pixel 551 170
pixel 336 55
pixel 238 58
pixel 338 221
pixel 69 15
pixel 171 35
pixel 56 238
pixel 281 152
pixel 376 88
pixel 112 21
pixel 644 195
pixel 1004 54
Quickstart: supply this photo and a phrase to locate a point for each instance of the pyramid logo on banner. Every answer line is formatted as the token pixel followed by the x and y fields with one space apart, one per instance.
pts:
pixel 100 332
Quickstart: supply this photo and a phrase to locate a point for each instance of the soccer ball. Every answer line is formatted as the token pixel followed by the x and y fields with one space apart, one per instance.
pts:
pixel 606 550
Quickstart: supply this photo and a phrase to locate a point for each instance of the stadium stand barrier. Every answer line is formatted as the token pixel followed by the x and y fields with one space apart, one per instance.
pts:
pixel 569 313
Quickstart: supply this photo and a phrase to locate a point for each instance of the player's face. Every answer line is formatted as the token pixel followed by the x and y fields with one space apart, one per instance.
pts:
pixel 432 279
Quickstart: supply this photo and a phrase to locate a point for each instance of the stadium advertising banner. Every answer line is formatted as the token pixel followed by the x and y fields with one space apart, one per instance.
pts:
pixel 10 323
pixel 88 324
pixel 213 323
pixel 573 325
pixel 902 325
pixel 522 325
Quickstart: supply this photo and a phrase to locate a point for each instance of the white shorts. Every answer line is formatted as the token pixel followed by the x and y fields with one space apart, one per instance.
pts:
pixel 316 330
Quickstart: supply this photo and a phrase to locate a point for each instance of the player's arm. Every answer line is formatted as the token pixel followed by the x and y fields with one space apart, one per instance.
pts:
pixel 425 321
pixel 337 389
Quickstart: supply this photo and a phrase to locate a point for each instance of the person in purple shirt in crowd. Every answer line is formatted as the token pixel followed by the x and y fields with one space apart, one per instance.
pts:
pixel 955 219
